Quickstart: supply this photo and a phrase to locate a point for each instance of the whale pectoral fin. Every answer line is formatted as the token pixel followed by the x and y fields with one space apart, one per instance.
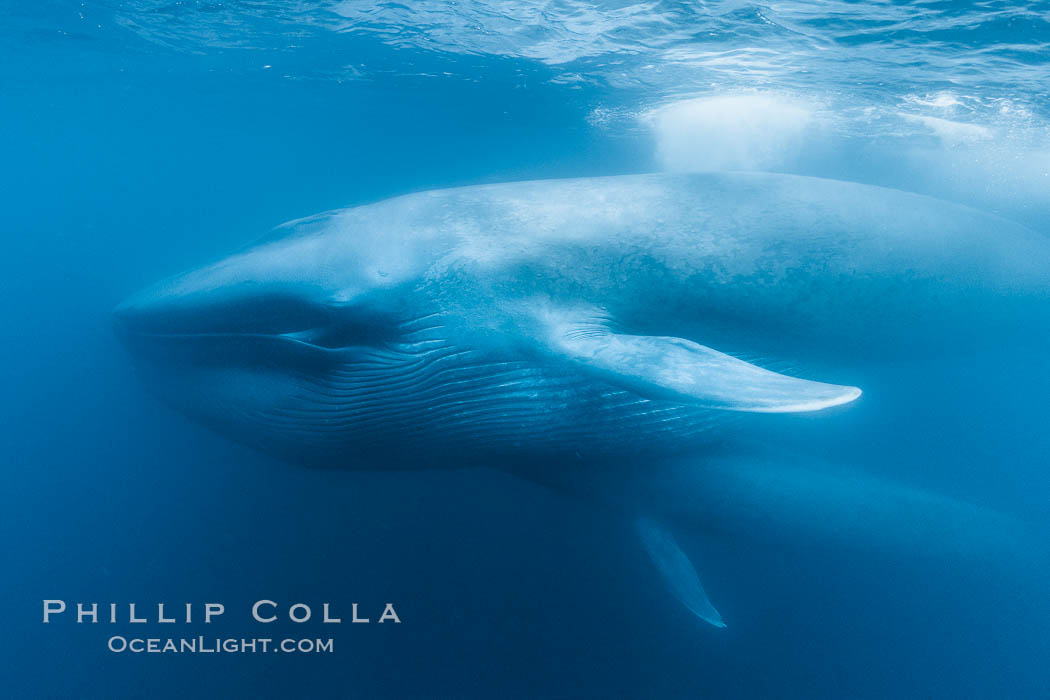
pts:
pixel 662 367
pixel 677 570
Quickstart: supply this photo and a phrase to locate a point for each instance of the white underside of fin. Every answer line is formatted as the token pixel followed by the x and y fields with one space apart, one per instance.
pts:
pixel 676 369
pixel 677 571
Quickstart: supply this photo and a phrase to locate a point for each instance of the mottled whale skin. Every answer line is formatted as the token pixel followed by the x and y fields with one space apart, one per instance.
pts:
pixel 430 326
pixel 557 327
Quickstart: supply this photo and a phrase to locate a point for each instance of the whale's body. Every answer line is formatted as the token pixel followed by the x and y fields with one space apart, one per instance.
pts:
pixel 589 327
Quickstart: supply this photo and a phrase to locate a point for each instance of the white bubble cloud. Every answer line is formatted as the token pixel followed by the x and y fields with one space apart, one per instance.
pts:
pixel 730 132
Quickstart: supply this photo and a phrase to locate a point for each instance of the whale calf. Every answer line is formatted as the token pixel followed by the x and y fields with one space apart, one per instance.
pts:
pixel 590 333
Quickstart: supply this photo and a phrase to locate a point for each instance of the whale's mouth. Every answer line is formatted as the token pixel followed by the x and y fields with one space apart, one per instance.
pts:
pixel 271 330
pixel 242 349
pixel 157 313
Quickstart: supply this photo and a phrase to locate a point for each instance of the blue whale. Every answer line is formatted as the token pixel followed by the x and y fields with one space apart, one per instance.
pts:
pixel 620 338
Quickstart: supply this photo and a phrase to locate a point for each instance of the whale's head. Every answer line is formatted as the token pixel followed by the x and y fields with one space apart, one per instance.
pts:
pixel 287 345
pixel 300 291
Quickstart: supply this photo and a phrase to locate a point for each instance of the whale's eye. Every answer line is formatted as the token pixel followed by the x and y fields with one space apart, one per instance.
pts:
pixel 347 326
pixel 272 315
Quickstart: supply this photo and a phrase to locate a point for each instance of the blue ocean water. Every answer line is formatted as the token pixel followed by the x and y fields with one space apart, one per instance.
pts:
pixel 142 138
